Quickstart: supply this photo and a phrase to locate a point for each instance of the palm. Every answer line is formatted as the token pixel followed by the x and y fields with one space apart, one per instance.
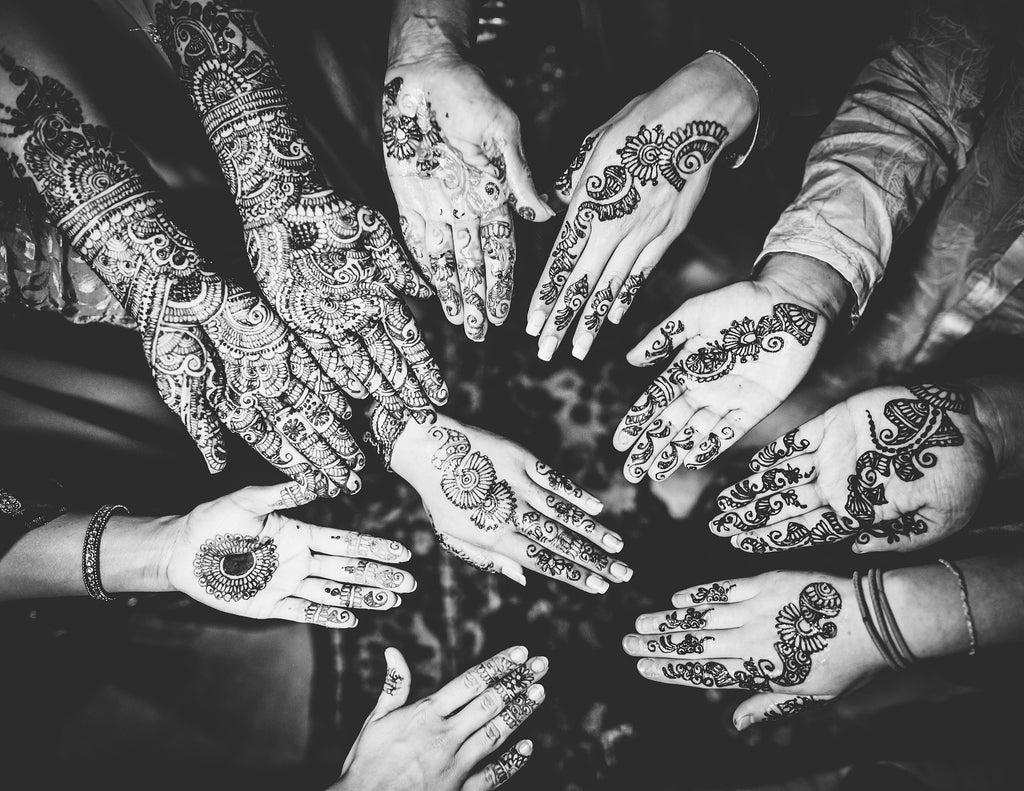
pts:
pixel 742 350
pixel 899 468
pixel 333 272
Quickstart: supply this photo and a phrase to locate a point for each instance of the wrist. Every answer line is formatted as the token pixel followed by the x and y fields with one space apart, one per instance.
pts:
pixel 135 553
pixel 410 446
pixel 807 281
pixel 426 37
pixel 925 601
pixel 996 402
pixel 732 91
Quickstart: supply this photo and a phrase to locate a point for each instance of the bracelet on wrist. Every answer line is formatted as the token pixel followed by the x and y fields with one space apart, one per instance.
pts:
pixel 91 552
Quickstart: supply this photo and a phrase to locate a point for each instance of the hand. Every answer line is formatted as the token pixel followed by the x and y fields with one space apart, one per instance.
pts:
pixel 896 468
pixel 496 506
pixel 455 160
pixel 331 268
pixel 743 349
pixel 236 554
pixel 435 744
pixel 631 191
pixel 793 637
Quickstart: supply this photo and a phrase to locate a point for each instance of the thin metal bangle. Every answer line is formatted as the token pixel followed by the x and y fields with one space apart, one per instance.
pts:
pixel 91 551
pixel 889 629
pixel 971 632
pixel 869 623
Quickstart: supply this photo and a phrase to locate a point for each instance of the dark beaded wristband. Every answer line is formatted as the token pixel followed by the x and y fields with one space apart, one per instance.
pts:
pixel 91 551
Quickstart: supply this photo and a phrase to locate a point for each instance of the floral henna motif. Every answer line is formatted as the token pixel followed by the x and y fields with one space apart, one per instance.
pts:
pixel 829 529
pixel 713 593
pixel 570 514
pixel 772 480
pixel 518 710
pixel 549 533
pixel 470 482
pixel 332 268
pixel 551 564
pixel 692 619
pixel 782 448
pixel 689 644
pixel 216 352
pixel 758 514
pixel 510 762
pixel 233 567
pixel 918 425
pixel 615 193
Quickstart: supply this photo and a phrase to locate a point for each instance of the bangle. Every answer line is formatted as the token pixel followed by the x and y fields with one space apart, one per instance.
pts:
pixel 889 629
pixel 869 623
pixel 971 633
pixel 91 551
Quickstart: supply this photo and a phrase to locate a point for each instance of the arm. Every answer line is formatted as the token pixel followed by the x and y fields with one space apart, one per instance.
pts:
pixel 903 130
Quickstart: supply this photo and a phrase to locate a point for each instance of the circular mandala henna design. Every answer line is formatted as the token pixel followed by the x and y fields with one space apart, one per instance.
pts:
pixel 235 567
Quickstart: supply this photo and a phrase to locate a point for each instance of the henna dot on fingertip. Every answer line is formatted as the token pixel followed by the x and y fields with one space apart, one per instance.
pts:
pixel 518 654
pixel 596 583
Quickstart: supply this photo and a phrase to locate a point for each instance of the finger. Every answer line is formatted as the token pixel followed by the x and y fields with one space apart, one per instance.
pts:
pixel 566 308
pixel 726 431
pixel 671 434
pixel 299 610
pixel 387 253
pixel 665 389
pixel 262 500
pixel 467 686
pixel 721 592
pixel 571 242
pixel 499 772
pixel 445 276
pixel 769 510
pixel 903 534
pixel 469 262
pixel 606 289
pixel 710 673
pixel 565 185
pixel 483 559
pixel 371 378
pixel 185 397
pixel 562 485
pixel 499 248
pixel 571 545
pixel 334 360
pixel 493 700
pixel 820 526
pixel 642 453
pixel 774 706
pixel 689 619
pixel 535 556
pixel 574 517
pixel 351 597
pixel 397 682
pixel 792 471
pixel 494 733
pixel 347 543
pixel 389 358
pixel 406 337
pixel 523 197
pixel 354 571
pixel 805 439
pixel 671 644
pixel 638 275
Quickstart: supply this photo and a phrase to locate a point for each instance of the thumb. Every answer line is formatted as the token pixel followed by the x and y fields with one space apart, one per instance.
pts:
pixel 262 500
pixel 397 682
pixel 524 197
pixel 772 706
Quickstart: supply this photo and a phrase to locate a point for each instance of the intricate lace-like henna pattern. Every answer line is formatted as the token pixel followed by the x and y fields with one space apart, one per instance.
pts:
pixel 518 710
pixel 771 480
pixel 500 254
pixel 552 564
pixel 615 192
pixel 692 619
pixel 689 644
pixel 671 455
pixel 570 514
pixel 234 567
pixel 793 706
pixel 514 682
pixel 510 762
pixel 385 429
pixel 713 593
pixel 918 425
pixel 470 482
pixel 782 448
pixel 325 615
pixel 490 670
pixel 575 296
pixel 562 484
pixel 393 681
pixel 564 182
pixel 602 302
pixel 216 351
pixel 567 543
pixel 366 572
pixel 359 596
pixel 758 514
pixel 331 268
pixel 643 450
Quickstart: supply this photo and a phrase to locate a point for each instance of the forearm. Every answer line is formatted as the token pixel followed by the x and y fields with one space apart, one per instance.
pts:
pixel 997 402
pixel 47 561
pixel 927 605
pixel 420 28
pixel 896 140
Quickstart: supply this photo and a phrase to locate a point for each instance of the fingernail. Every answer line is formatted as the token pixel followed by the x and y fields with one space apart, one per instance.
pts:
pixel 353 484
pixel 547 347
pixel 538 664
pixel 398 601
pixel 615 314
pixel 518 654
pixel 639 624
pixel 593 504
pixel 621 571
pixel 525 748
pixel 582 345
pixel 535 693
pixel 632 644
pixel 515 576
pixel 612 543
pixel 535 323
pixel 744 722
pixel 646 667
pixel 596 583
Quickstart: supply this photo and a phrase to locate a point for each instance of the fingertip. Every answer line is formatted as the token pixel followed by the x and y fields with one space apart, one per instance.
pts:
pixel 525 748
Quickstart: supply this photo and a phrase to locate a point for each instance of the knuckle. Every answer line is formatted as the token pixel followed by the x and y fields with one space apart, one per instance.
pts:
pixel 491 700
pixel 492 733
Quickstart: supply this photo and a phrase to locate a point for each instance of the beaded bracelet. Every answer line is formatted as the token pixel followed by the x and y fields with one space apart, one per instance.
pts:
pixel 91 551
pixel 971 633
